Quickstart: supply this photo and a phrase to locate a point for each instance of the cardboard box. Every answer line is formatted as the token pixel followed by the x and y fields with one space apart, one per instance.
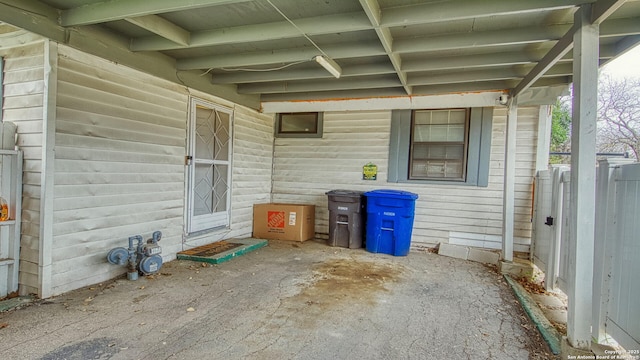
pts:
pixel 284 221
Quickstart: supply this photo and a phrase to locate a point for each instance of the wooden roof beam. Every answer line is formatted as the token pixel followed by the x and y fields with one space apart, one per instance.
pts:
pixel 619 48
pixel 110 10
pixel 492 74
pixel 506 37
pixel 162 27
pixel 466 9
pixel 599 12
pixel 320 96
pixel 383 81
pixel 33 7
pixel 626 44
pixel 562 47
pixel 461 88
pixel 317 72
pixel 607 52
pixel 472 61
pixel 498 85
pixel 602 9
pixel 33 16
pixel 281 56
pixel 464 77
pixel 374 13
pixel 480 39
pixel 328 24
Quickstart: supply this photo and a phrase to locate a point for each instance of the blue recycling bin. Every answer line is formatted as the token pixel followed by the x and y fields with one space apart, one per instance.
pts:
pixel 390 216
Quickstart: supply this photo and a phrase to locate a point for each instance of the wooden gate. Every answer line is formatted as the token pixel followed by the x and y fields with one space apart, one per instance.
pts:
pixel 617 255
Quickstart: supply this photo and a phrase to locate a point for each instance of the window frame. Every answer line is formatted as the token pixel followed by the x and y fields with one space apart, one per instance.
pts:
pixel 299 134
pixel 464 143
pixel 478 150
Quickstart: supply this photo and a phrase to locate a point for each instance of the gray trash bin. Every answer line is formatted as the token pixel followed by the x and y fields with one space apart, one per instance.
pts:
pixel 346 218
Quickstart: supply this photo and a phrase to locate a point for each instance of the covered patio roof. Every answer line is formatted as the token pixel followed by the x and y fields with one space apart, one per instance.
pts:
pixel 253 51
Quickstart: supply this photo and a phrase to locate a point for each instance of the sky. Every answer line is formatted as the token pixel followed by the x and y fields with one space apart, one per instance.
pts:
pixel 626 65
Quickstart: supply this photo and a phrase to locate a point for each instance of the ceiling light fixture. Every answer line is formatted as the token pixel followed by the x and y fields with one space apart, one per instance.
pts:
pixel 330 65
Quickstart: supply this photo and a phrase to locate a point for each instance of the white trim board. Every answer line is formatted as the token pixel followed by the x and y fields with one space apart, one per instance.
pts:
pixel 486 241
pixel 385 103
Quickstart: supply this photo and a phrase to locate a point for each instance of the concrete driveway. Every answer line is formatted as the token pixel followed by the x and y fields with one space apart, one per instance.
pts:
pixel 284 301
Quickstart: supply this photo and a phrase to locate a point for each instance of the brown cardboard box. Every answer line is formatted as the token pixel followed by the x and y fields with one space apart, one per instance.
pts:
pixel 284 221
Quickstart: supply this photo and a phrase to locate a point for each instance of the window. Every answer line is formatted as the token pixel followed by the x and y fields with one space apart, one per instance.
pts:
pixel 441 146
pixel 302 125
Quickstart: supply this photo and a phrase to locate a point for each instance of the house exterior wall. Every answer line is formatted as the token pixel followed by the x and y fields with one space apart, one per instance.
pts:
pixel 24 84
pixel 120 146
pixel 119 165
pixel 252 163
pixel 304 169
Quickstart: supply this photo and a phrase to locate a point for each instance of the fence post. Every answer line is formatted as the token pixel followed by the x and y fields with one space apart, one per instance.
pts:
pixel 540 233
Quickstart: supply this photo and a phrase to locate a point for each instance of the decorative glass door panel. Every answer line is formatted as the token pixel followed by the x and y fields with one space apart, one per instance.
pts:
pixel 209 168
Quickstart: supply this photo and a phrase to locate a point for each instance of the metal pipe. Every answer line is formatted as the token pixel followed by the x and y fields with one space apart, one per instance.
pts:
pixel 132 272
pixel 609 154
pixel 157 235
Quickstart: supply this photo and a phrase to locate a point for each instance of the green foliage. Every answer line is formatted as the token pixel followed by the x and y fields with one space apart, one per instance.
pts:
pixel 560 132
pixel 560 126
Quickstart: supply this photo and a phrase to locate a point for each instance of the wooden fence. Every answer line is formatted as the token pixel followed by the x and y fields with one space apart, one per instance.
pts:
pixel 616 284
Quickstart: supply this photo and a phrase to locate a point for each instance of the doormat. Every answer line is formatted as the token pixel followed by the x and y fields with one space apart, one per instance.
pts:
pixel 212 249
pixel 221 251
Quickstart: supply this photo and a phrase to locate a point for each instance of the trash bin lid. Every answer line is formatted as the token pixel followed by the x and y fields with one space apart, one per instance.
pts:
pixel 352 193
pixel 394 194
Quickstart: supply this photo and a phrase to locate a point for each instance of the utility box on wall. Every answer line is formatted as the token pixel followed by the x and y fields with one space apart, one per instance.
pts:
pixel 294 222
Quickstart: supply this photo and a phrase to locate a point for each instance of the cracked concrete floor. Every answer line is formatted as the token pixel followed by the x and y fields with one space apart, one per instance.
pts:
pixel 284 301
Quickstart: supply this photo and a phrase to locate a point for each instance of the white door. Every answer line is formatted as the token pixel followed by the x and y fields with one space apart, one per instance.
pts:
pixel 209 167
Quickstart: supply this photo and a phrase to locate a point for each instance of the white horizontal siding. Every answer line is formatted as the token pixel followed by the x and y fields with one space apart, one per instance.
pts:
pixel 120 142
pixel 23 86
pixel 252 163
pixel 119 165
pixel 304 169
pixel 526 144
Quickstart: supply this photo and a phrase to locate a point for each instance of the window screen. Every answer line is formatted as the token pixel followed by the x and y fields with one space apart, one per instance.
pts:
pixel 439 144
